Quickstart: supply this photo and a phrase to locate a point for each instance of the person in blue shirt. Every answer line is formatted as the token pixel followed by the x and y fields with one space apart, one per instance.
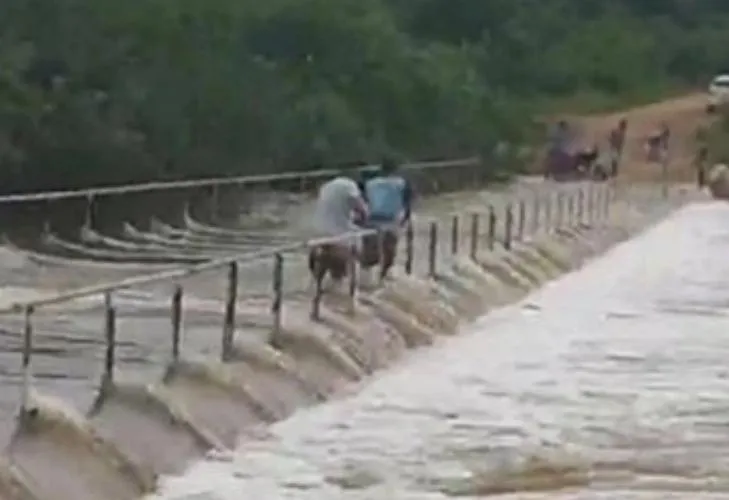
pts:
pixel 389 200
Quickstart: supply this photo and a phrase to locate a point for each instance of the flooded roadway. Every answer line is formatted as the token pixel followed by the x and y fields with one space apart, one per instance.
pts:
pixel 610 383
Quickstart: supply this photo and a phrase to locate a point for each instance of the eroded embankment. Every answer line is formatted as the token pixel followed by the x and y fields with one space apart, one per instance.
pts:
pixel 136 433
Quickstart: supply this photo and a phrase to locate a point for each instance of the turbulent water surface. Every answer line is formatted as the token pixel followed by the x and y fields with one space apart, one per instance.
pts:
pixel 68 340
pixel 610 383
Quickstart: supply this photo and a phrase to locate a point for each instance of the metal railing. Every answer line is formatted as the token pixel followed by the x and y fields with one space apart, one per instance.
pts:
pixel 587 205
pixel 456 173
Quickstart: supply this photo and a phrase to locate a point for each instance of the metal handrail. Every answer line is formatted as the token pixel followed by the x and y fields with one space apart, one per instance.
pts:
pixel 180 272
pixel 217 181
pixel 595 208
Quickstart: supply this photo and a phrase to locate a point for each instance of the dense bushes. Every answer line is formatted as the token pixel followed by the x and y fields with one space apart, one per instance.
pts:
pixel 99 92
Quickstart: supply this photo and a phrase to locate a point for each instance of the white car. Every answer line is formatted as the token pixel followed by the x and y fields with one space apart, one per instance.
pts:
pixel 718 92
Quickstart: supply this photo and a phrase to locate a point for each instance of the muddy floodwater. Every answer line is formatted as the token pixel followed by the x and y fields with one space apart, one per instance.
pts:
pixel 69 341
pixel 609 383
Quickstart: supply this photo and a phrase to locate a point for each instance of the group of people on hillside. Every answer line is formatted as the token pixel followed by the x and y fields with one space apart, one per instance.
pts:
pixel 378 201
pixel 590 159
pixel 561 156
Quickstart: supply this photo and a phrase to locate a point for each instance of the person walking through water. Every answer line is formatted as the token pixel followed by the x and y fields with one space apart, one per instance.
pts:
pixel 389 197
pixel 617 143
pixel 339 206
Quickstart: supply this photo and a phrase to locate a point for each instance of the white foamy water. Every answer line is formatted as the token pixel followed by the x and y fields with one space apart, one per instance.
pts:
pixel 612 382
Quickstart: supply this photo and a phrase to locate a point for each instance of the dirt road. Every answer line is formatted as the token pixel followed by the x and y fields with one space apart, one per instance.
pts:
pixel 683 115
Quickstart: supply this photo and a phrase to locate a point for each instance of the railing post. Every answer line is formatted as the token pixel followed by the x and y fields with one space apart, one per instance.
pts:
pixel 508 227
pixel 548 212
pixel 433 249
pixel 230 306
pixel 536 212
pixel 492 228
pixel 277 303
pixel 601 203
pixel 214 202
pixel 521 227
pixel 176 319
pixel 455 233
pixel 580 206
pixel 110 335
pixel 474 235
pixel 352 264
pixel 560 211
pixel 89 215
pixel 588 205
pixel 27 356
pixel 570 209
pixel 318 288
pixel 608 201
pixel 409 247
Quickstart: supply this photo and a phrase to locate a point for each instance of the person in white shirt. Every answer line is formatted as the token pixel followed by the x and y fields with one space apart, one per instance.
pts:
pixel 338 208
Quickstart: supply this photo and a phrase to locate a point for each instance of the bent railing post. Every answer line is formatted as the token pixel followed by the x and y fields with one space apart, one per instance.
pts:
pixel 409 247
pixel 277 303
pixel 474 235
pixel 110 336
pixel 176 320
pixel 432 249
pixel 27 356
pixel 230 306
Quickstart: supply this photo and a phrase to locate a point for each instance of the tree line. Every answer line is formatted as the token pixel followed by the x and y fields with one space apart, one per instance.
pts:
pixel 103 92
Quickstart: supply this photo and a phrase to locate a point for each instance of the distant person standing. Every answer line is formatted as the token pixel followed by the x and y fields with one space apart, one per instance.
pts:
pixel 617 143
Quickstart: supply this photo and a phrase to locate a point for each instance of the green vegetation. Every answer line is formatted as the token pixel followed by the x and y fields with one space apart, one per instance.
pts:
pixel 102 91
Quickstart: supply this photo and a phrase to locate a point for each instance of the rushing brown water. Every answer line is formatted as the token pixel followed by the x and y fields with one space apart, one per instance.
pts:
pixel 610 382
pixel 68 337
